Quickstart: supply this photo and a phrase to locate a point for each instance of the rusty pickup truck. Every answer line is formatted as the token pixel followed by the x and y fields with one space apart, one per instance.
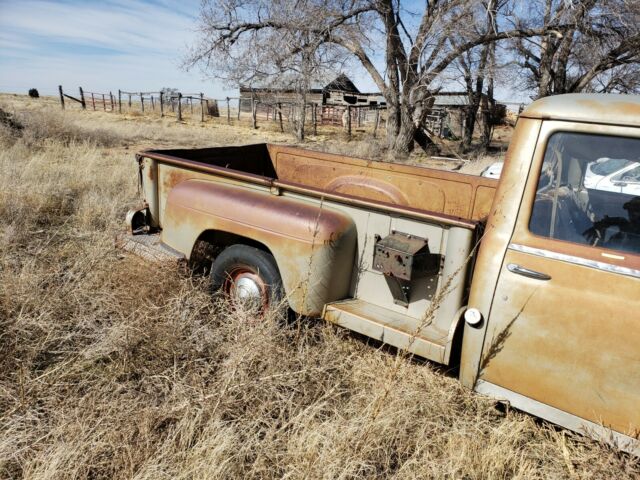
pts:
pixel 530 284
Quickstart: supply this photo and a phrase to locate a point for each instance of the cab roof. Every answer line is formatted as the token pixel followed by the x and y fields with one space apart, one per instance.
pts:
pixel 611 109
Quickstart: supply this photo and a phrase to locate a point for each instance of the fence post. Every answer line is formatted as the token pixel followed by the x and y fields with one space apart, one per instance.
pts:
pixel 239 107
pixel 280 116
pixel 161 105
pixel 84 105
pixel 377 121
pixel 254 112
pixel 191 104
pixel 113 101
pixel 119 101
pixel 104 103
pixel 179 107
pixel 228 112
pixel 201 107
pixel 349 120
pixel 61 96
pixel 153 104
pixel 129 101
pixel 315 118
pixel 93 102
pixel 142 101
pixel 173 106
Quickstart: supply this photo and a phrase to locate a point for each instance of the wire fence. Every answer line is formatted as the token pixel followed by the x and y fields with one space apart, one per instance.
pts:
pixel 284 114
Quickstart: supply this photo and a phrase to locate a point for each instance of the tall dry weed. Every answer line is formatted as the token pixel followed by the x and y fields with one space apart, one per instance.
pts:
pixel 111 367
pixel 46 126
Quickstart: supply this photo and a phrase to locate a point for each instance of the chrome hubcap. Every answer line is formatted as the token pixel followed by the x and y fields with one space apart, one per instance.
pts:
pixel 246 290
pixel 245 287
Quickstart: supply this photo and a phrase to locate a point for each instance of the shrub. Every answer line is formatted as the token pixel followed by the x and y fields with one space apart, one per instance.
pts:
pixel 212 108
pixel 33 93
pixel 9 121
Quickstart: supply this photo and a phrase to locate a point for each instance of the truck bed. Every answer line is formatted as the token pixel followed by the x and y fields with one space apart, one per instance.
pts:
pixel 322 217
pixel 412 188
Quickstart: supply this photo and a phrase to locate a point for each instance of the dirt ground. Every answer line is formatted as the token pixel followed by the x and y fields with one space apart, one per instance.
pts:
pixel 115 368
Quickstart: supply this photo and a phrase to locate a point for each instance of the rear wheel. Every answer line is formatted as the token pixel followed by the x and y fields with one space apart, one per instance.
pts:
pixel 248 276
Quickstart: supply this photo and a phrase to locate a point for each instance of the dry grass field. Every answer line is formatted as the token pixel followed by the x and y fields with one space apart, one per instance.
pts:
pixel 114 368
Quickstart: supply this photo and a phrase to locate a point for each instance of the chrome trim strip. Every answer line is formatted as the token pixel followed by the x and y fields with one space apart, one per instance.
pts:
pixel 560 417
pixel 607 267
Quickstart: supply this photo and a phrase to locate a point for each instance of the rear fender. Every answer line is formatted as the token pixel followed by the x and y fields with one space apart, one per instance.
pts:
pixel 313 245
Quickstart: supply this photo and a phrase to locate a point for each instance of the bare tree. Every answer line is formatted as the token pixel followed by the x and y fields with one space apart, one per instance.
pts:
pixel 478 66
pixel 598 51
pixel 259 43
pixel 267 37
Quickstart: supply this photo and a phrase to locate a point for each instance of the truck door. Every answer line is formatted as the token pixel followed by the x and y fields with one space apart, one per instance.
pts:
pixel 563 334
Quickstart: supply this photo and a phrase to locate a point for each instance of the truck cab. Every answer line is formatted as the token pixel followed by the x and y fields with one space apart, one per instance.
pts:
pixel 557 281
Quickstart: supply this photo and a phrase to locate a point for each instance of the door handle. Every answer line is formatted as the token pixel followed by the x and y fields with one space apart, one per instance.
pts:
pixel 512 267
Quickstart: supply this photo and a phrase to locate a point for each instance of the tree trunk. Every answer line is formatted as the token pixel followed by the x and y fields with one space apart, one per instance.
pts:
pixel 475 95
pixel 403 142
pixel 405 126
pixel 487 120
pixel 545 81
pixel 469 122
pixel 488 106
pixel 401 130
pixel 393 123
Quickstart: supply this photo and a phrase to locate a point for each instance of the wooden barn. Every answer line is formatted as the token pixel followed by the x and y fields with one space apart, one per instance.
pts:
pixel 339 92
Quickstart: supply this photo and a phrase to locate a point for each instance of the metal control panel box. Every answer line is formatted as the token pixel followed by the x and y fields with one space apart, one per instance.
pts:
pixel 403 256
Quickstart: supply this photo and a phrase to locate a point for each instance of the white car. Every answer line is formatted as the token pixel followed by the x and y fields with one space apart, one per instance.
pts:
pixel 613 175
pixel 493 171
pixel 607 174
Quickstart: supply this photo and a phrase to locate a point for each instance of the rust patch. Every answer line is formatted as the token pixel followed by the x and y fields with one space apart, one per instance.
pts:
pixel 150 170
pixel 175 176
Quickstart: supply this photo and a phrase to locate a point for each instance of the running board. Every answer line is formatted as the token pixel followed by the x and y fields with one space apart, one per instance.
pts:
pixel 149 246
pixel 389 327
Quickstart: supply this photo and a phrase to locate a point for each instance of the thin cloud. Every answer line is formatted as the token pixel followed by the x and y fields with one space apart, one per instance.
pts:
pixel 108 44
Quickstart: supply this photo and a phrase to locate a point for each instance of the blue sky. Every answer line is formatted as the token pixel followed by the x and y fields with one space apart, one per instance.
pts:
pixel 99 45
pixel 132 45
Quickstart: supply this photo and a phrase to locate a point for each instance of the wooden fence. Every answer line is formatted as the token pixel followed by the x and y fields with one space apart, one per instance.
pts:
pixel 348 117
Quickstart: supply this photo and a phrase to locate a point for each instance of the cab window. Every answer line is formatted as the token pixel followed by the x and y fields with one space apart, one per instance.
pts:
pixel 589 191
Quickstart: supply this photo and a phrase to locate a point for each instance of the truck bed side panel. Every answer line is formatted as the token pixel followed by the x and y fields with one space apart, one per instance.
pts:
pixel 314 245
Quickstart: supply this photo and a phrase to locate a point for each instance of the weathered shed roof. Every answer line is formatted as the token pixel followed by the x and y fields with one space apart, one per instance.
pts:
pixel 452 99
pixel 284 83
pixel 343 84
pixel 276 87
